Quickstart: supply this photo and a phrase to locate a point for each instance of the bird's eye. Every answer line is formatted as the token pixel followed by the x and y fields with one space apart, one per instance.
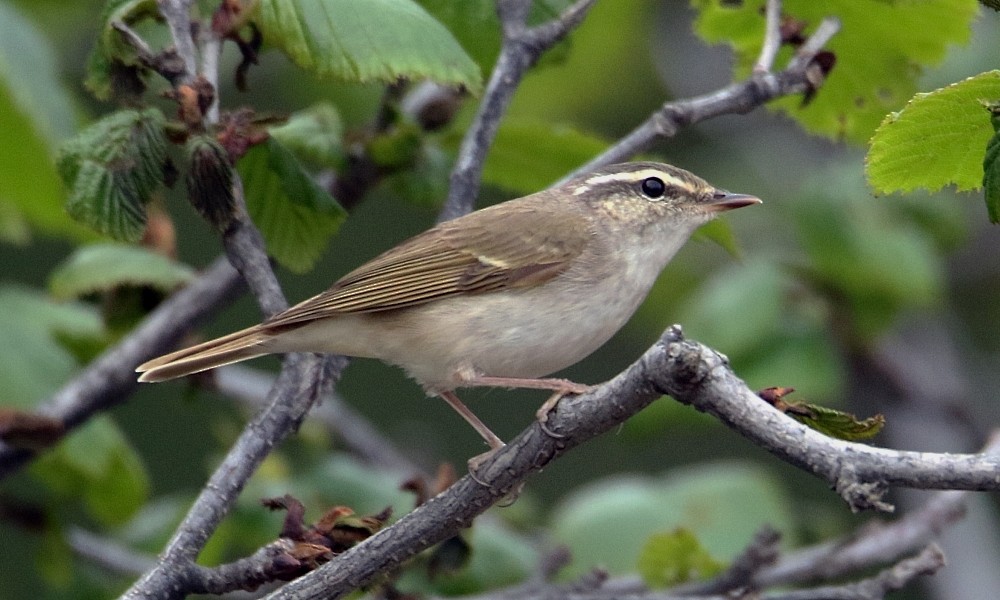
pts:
pixel 653 187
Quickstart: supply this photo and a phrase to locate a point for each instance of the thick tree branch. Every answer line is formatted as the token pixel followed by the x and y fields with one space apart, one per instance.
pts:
pixel 694 375
pixel 861 474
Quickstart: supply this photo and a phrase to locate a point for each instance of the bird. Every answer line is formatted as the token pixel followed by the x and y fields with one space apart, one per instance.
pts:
pixel 503 296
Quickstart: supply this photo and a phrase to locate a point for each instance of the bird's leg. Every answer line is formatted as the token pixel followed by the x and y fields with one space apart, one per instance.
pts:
pixel 560 387
pixel 491 438
pixel 487 434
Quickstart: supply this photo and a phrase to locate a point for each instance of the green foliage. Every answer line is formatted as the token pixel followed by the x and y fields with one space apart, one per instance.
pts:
pixel 836 423
pixel 103 267
pixel 675 557
pixel 313 135
pixel 295 215
pixel 723 504
pixel 111 55
pixel 99 466
pixel 529 155
pixel 866 258
pixel 112 169
pixel 378 40
pixel 880 49
pixel 498 558
pixel 475 25
pixel 937 139
pixel 991 167
pixel 33 364
pixel 36 112
pixel 773 335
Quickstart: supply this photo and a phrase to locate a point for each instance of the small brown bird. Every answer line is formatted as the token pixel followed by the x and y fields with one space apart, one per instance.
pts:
pixel 500 297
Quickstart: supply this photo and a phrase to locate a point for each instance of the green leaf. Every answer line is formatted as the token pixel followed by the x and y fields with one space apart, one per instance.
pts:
pixel 294 214
pixel 675 557
pixel 835 423
pixel 606 523
pixel 36 112
pixel 376 40
pixel 937 139
pixel 864 256
pixel 98 464
pixel 112 168
pixel 991 167
pixel 33 364
pixel 426 182
pixel 720 232
pixel 475 25
pixel 112 55
pixel 781 336
pixel 529 156
pixel 880 50
pixel 101 267
pixel 313 135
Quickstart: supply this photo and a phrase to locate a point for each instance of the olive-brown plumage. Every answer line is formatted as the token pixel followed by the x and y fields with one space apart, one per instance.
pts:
pixel 501 296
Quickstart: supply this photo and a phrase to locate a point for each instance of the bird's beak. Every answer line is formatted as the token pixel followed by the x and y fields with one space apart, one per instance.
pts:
pixel 723 200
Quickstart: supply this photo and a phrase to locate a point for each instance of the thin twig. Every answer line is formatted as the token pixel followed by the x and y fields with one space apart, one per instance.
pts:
pixel 107 554
pixel 888 580
pixel 738 98
pixel 521 48
pixel 109 379
pixel 772 37
pixel 177 14
pixel 250 387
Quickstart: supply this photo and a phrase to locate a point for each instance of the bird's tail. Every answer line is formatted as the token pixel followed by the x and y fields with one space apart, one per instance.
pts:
pixel 235 347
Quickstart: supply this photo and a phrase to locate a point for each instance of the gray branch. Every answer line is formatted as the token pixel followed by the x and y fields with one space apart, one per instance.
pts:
pixel 110 378
pixel 739 98
pixel 520 50
pixel 694 375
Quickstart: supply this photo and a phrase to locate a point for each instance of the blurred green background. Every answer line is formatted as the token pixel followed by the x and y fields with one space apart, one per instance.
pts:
pixel 825 278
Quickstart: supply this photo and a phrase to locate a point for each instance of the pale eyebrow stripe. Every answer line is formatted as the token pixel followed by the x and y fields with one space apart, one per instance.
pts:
pixel 634 176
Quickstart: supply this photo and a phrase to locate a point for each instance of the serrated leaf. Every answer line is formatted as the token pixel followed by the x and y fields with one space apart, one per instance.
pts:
pixel 294 214
pixel 936 140
pixel 880 50
pixel 675 557
pixel 835 423
pixel 36 113
pixel 33 364
pixel 101 267
pixel 313 135
pixel 112 169
pixel 376 40
pixel 723 504
pixel 112 54
pixel 529 156
pixel 97 463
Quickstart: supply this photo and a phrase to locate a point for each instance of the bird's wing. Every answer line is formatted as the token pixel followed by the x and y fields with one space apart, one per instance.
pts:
pixel 488 250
